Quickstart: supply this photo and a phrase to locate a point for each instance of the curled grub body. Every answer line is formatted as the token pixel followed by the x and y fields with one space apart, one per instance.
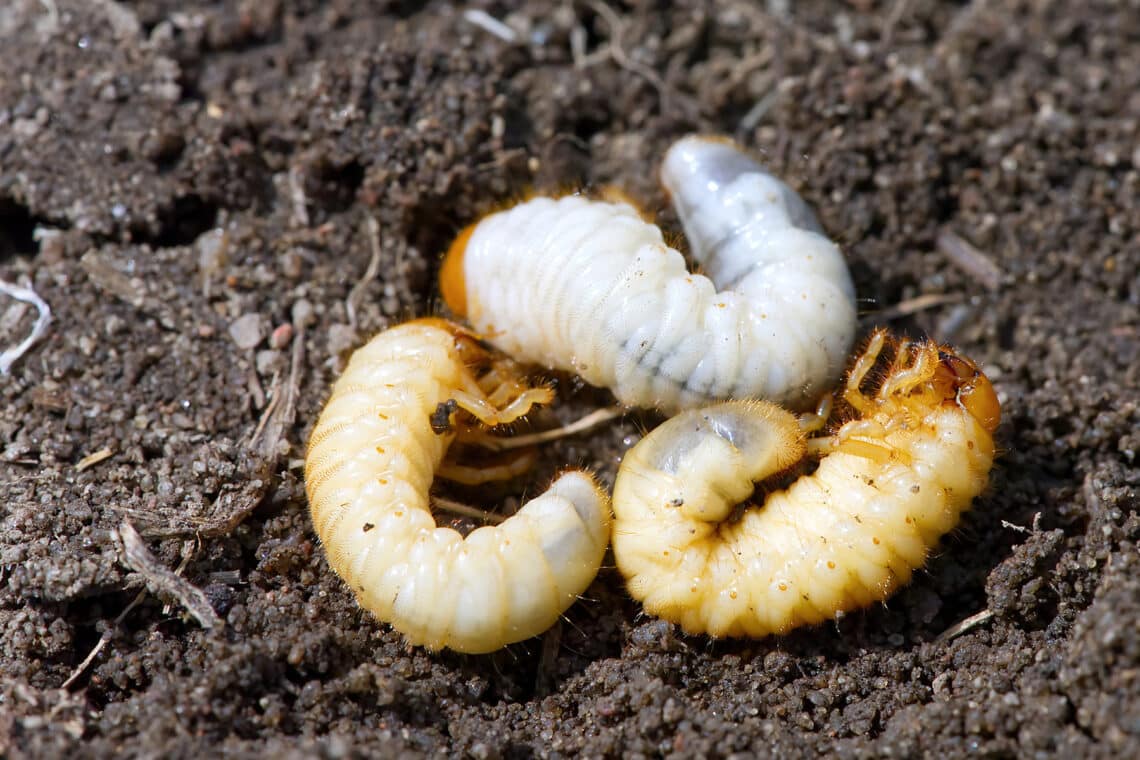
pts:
pixel 890 483
pixel 590 287
pixel 372 457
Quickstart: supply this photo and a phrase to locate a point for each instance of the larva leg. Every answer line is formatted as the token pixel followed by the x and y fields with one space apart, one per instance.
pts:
pixel 904 379
pixel 812 422
pixel 877 451
pixel 509 398
pixel 865 448
pixel 488 414
pixel 861 438
pixel 522 404
pixel 863 365
pixel 505 467
pixel 503 382
pixel 459 508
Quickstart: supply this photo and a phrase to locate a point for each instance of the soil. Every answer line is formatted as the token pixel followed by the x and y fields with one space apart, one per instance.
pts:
pixel 191 186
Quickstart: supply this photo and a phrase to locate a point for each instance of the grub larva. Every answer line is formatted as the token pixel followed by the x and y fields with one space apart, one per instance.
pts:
pixel 588 286
pixel 890 483
pixel 379 443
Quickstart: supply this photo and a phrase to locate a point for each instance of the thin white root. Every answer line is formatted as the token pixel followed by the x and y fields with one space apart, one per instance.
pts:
pixel 27 295
pixel 465 510
pixel 490 25
pixel 589 422
pixel 106 636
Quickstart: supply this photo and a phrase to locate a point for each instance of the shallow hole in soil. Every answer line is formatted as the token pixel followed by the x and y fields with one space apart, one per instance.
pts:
pixel 17 226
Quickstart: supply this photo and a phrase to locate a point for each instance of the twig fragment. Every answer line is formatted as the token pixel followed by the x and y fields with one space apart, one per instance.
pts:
pixel 109 631
pixel 161 579
pixel 357 292
pixel 106 636
pixel 968 624
pixel 50 23
pixel 970 260
pixel 123 20
pixel 282 409
pixel 93 459
pixel 1036 526
pixel 107 278
pixel 916 304
pixel 270 408
pixel 27 295
pixel 759 110
pixel 898 10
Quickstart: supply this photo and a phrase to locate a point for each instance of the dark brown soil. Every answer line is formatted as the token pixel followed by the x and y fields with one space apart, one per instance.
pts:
pixel 167 168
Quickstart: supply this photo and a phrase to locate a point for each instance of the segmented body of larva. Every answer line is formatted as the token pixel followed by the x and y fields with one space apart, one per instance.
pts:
pixel 372 457
pixel 889 485
pixel 589 287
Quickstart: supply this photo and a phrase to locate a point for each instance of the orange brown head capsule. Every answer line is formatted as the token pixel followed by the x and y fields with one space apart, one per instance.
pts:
pixel 472 351
pixel 452 280
pixel 969 387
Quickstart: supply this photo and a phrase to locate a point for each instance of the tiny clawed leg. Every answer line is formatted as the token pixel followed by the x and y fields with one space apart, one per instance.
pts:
pixel 822 446
pixel 812 422
pixel 863 365
pixel 876 451
pixel 902 380
pixel 524 402
pixel 477 406
pixel 503 467
pixel 861 438
pixel 459 508
pixel 489 415
pixel 502 383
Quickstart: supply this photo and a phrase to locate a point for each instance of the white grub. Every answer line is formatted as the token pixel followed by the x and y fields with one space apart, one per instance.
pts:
pixel 890 483
pixel 378 445
pixel 590 287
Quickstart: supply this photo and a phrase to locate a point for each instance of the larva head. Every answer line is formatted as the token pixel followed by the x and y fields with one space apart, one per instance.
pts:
pixel 452 278
pixel 697 169
pixel 472 352
pixel 717 187
pixel 960 379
